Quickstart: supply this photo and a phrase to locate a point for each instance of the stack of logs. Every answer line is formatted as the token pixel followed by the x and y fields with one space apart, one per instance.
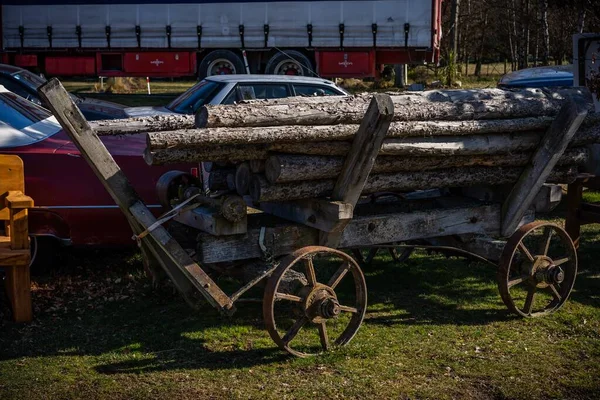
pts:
pixel 294 148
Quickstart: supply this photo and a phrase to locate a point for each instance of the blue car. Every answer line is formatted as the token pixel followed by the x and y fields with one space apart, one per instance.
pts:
pixel 558 75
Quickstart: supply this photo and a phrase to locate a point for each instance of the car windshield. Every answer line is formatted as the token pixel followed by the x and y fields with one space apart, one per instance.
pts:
pixel 20 113
pixel 195 97
pixel 23 122
pixel 30 79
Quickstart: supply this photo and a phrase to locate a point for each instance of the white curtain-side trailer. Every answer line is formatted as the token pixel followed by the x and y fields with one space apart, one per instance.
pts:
pixel 202 37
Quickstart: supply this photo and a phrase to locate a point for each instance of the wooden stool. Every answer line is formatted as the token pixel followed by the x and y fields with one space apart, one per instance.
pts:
pixel 14 245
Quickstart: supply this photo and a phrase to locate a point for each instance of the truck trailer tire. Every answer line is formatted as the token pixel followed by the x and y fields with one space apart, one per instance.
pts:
pixel 289 62
pixel 220 62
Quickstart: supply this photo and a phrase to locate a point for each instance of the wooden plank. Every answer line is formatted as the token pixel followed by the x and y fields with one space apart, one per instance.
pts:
pixel 362 231
pixel 398 227
pixel 117 185
pixel 16 199
pixel 279 240
pixel 19 234
pixel 210 220
pixel 11 178
pixel 552 146
pixel 18 285
pixel 361 158
pixel 326 216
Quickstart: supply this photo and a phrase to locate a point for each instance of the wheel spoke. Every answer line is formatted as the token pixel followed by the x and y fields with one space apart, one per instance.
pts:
pixel 526 252
pixel 352 310
pixel 323 336
pixel 339 275
pixel 516 281
pixel 555 293
pixel 291 334
pixel 561 261
pixel 545 245
pixel 529 300
pixel 290 297
pixel 310 271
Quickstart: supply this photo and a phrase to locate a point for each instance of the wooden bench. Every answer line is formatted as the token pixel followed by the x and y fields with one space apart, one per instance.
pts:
pixel 14 243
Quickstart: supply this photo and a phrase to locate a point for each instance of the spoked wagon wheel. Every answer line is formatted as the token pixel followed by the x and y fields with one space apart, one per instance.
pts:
pixel 365 256
pixel 315 299
pixel 537 269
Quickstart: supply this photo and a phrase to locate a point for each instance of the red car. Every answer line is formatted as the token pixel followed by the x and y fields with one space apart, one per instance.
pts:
pixel 71 205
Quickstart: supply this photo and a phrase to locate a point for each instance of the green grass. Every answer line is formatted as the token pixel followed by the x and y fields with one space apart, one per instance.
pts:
pixel 435 328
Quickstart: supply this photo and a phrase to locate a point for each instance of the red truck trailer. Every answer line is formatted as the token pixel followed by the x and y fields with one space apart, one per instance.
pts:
pixel 204 37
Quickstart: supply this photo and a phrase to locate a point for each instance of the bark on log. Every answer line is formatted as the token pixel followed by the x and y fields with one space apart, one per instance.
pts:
pixel 461 145
pixel 154 123
pixel 217 179
pixel 450 105
pixel 314 148
pixel 214 153
pixel 283 134
pixel 261 190
pixel 242 178
pixel 293 168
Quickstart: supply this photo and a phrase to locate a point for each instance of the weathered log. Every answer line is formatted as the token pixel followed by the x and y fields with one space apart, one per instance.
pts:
pixel 257 166
pixel 457 105
pixel 242 178
pixel 261 190
pixel 155 123
pixel 213 153
pixel 314 148
pixel 292 168
pixel 231 181
pixel 284 134
pixel 217 179
pixel 461 145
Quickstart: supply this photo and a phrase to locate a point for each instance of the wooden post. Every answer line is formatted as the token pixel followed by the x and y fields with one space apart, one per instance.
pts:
pixel 172 257
pixel 361 158
pixel 551 148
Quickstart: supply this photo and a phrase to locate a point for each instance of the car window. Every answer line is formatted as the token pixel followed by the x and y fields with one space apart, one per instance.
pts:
pixel 231 97
pixel 195 97
pixel 18 89
pixel 29 78
pixel 20 113
pixel 250 91
pixel 314 90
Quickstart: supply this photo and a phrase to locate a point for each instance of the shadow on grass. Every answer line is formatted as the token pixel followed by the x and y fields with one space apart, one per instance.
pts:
pixel 168 335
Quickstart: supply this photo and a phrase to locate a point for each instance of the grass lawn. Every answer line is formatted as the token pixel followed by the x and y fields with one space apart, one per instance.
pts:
pixel 435 328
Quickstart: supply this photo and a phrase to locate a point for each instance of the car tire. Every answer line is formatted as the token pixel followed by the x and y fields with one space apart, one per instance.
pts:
pixel 44 254
pixel 220 62
pixel 289 62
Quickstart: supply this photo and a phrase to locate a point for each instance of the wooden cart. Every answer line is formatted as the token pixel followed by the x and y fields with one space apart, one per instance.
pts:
pixel 312 286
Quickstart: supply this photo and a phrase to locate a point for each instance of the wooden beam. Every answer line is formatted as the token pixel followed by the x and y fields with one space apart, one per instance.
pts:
pixel 551 148
pixel 326 216
pixel 210 220
pixel 117 185
pixel 364 230
pixel 361 158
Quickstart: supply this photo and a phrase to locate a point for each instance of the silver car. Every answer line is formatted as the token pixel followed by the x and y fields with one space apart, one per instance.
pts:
pixel 229 89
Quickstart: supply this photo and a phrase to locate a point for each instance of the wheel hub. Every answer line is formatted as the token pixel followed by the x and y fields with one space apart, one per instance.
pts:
pixel 544 272
pixel 329 308
pixel 321 304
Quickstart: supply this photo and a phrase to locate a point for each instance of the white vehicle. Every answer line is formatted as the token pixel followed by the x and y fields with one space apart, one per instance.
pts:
pixel 229 89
